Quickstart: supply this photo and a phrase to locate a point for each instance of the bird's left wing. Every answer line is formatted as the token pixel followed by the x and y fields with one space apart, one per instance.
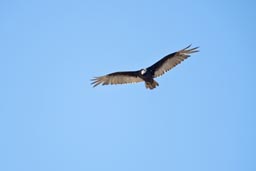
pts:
pixel 170 61
pixel 117 78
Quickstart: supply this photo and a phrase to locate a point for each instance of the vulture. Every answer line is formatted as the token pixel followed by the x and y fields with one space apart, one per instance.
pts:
pixel 146 75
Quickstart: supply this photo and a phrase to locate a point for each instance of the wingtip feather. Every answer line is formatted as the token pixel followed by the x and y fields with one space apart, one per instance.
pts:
pixel 189 51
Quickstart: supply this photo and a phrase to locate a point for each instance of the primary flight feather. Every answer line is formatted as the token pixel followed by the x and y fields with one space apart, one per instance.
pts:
pixel 147 75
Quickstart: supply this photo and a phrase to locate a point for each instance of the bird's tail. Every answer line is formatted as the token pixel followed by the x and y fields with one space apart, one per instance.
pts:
pixel 151 85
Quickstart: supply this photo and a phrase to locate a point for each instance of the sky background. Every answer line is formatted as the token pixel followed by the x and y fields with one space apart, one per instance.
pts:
pixel 202 117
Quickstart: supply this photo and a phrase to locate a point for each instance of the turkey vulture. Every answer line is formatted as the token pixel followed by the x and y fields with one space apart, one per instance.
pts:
pixel 147 74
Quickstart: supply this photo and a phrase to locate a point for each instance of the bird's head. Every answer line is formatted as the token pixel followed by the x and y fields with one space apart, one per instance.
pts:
pixel 143 71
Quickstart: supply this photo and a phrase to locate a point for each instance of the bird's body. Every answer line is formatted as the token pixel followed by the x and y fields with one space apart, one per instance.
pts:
pixel 148 74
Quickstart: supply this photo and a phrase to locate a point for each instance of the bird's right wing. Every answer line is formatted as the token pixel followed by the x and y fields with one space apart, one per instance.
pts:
pixel 170 61
pixel 117 78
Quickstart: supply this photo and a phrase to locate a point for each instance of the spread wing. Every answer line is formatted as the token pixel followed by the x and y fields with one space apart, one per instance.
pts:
pixel 117 78
pixel 170 61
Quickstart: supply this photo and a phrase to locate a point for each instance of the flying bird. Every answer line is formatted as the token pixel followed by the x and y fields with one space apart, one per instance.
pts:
pixel 147 74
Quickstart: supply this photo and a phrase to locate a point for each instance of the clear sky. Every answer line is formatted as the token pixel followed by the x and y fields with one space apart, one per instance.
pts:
pixel 202 117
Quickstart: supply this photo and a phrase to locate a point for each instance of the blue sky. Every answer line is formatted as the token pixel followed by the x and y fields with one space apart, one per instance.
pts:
pixel 201 117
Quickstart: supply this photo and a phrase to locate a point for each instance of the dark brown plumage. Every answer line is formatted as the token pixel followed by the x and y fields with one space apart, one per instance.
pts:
pixel 147 75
